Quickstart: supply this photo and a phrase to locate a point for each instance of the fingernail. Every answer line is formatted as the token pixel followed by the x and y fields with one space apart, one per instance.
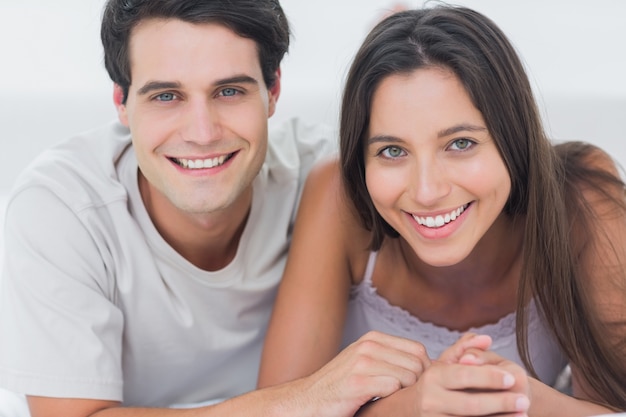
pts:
pixel 522 403
pixel 469 359
pixel 509 380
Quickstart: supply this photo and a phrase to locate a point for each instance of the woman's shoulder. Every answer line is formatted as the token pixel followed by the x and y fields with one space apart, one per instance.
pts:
pixel 579 158
pixel 593 181
pixel 325 191
pixel 325 185
pixel 598 217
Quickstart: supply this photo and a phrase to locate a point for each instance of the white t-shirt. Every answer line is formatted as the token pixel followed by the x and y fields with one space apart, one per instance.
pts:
pixel 95 304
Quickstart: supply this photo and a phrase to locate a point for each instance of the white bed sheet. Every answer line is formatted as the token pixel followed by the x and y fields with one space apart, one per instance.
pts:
pixel 11 404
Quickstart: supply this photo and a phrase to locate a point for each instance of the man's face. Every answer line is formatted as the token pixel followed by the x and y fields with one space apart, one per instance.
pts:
pixel 197 109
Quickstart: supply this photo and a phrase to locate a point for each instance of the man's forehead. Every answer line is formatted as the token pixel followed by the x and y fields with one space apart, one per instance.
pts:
pixel 169 49
pixel 154 27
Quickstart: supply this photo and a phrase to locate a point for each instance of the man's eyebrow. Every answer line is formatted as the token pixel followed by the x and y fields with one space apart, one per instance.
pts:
pixel 164 85
pixel 237 79
pixel 157 85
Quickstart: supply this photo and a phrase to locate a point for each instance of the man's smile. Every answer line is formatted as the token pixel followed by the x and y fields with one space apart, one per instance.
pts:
pixel 202 163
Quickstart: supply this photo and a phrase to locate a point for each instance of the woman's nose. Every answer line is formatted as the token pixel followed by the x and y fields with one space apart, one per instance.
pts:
pixel 429 182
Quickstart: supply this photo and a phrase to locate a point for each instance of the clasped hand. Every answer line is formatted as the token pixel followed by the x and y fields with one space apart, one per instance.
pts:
pixel 466 380
pixel 470 380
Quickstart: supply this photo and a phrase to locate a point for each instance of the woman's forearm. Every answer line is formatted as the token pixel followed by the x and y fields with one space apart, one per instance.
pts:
pixel 545 402
pixel 548 402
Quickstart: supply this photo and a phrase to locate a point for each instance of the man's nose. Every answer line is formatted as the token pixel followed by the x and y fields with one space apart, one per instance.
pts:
pixel 202 122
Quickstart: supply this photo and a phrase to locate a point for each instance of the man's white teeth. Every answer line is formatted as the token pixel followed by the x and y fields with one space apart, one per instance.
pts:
pixel 438 221
pixel 202 163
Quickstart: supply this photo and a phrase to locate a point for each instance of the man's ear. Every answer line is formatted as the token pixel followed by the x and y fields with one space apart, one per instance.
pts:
pixel 118 100
pixel 274 93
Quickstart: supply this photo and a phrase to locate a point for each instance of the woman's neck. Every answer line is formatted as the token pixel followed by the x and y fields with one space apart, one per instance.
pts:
pixel 494 260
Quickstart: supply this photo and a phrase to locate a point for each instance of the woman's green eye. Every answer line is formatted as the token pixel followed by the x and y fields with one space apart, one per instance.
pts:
pixel 392 152
pixel 462 144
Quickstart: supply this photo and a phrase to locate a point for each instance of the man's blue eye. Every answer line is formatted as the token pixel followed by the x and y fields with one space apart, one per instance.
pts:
pixel 166 97
pixel 229 92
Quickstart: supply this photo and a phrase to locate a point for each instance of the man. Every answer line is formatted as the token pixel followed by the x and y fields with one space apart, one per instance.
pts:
pixel 143 257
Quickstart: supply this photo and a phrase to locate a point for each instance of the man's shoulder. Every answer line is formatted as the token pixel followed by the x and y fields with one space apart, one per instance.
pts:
pixel 81 167
pixel 295 145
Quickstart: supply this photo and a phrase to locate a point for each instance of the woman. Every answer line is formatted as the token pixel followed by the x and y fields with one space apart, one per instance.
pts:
pixel 449 212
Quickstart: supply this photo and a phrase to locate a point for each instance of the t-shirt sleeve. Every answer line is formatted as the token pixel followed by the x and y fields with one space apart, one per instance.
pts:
pixel 295 147
pixel 315 142
pixel 61 331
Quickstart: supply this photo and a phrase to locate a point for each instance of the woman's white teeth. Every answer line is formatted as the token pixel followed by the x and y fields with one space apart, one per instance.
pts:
pixel 440 220
pixel 202 163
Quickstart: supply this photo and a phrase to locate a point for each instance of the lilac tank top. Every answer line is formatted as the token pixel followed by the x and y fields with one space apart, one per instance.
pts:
pixel 367 310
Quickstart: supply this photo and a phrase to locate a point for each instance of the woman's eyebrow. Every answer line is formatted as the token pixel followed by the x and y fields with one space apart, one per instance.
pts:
pixel 383 138
pixel 463 127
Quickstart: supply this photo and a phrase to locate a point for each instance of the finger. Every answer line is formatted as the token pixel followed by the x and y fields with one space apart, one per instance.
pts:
pixel 480 357
pixel 522 382
pixel 479 341
pixel 487 377
pixel 405 372
pixel 474 356
pixel 465 342
pixel 397 350
pixel 409 346
pixel 378 355
pixel 486 403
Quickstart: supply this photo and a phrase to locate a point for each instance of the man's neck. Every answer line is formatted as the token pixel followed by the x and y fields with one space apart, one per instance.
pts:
pixel 207 240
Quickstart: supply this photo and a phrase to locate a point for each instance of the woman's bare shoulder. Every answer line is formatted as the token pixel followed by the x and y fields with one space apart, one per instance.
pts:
pixel 325 189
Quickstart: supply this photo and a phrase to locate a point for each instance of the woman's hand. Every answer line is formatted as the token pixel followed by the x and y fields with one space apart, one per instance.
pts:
pixel 469 380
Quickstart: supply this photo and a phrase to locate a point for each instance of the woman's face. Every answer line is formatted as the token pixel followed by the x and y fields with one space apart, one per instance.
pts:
pixel 432 169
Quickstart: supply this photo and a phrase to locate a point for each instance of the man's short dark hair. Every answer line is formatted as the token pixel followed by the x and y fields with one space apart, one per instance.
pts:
pixel 260 20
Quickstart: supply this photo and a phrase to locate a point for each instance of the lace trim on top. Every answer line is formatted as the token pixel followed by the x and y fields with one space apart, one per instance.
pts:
pixel 501 332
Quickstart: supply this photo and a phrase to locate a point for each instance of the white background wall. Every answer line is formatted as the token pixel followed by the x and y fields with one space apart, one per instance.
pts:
pixel 53 82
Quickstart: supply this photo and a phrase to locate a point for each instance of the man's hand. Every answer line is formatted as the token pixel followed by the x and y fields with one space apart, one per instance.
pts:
pixel 374 366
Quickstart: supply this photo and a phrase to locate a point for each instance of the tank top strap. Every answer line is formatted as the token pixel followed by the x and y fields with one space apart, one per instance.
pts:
pixel 369 269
